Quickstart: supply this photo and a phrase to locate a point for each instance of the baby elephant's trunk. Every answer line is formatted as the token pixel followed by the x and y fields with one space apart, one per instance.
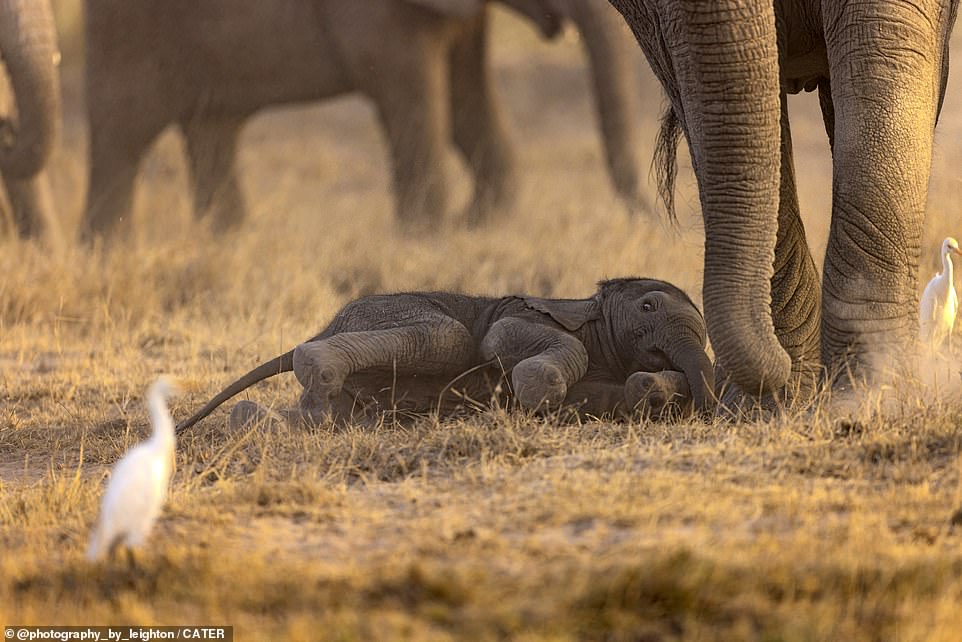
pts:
pixel 690 357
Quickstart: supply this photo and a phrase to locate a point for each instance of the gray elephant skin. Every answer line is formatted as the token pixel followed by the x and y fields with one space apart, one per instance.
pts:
pixel 635 340
pixel 28 46
pixel 208 65
pixel 880 68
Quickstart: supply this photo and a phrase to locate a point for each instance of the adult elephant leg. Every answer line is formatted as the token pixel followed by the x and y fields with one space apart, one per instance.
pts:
pixel 796 294
pixel 412 95
pixel 438 345
pixel 615 83
pixel 212 152
pixel 543 361
pixel 885 61
pixel 479 125
pixel 31 201
pixel 117 145
pixel 28 48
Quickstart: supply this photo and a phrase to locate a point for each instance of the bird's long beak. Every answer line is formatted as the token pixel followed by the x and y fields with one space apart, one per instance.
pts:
pixel 957 251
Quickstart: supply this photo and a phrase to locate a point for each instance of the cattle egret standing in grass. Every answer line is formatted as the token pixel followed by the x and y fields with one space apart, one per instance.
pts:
pixel 939 301
pixel 138 484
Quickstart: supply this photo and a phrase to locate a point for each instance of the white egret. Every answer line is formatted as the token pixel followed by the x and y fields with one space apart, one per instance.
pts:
pixel 137 488
pixel 939 301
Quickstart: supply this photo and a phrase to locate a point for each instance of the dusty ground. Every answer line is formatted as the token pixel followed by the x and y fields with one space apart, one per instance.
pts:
pixel 828 526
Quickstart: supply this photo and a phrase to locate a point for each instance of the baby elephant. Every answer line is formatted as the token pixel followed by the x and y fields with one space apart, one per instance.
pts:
pixel 637 344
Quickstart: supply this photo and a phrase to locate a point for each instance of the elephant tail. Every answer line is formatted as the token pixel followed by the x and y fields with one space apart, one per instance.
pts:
pixel 665 160
pixel 268 369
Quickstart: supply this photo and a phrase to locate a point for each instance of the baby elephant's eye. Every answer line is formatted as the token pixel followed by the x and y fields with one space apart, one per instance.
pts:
pixel 647 306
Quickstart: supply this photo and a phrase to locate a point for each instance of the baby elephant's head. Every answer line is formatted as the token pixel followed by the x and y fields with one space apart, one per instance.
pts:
pixel 654 326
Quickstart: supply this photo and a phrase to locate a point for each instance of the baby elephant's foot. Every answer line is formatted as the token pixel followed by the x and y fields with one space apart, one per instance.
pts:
pixel 246 413
pixel 659 395
pixel 538 384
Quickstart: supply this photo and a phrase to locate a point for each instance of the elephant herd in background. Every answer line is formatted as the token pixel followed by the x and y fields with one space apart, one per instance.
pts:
pixel 208 66
pixel 880 68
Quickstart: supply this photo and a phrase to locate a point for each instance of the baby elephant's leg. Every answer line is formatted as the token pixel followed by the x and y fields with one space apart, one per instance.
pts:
pixel 598 398
pixel 659 395
pixel 436 346
pixel 543 361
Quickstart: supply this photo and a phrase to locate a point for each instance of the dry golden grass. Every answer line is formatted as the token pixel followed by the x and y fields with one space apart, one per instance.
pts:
pixel 832 525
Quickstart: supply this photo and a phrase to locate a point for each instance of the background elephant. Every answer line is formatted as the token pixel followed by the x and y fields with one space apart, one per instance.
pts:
pixel 424 351
pixel 207 66
pixel 28 45
pixel 880 68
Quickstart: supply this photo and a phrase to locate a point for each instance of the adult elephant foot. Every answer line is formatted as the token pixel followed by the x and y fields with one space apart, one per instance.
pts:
pixel 492 202
pixel 33 210
pixel 865 351
pixel 419 223
pixel 211 151
pixel 225 217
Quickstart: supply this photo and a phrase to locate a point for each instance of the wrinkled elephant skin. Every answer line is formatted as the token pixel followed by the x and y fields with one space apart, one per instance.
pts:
pixel 880 67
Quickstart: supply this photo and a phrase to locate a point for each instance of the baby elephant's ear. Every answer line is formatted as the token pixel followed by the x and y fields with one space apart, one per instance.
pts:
pixel 570 313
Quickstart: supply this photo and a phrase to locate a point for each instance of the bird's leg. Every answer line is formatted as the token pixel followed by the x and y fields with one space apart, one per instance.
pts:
pixel 131 559
pixel 112 549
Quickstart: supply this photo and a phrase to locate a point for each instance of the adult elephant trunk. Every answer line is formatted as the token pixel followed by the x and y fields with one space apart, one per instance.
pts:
pixel 689 355
pixel 731 98
pixel 28 45
pixel 611 53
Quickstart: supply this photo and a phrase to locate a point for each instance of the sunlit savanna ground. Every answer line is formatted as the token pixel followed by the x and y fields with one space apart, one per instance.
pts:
pixel 828 526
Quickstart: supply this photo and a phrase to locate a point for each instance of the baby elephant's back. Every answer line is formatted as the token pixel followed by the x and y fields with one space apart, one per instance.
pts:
pixel 387 311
